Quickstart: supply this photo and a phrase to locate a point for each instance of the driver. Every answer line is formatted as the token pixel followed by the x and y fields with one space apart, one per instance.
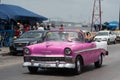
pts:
pixel 89 37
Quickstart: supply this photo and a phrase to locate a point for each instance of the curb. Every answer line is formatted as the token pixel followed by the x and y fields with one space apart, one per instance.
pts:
pixel 4 51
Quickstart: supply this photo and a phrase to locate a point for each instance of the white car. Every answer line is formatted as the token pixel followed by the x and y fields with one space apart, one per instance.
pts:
pixel 108 36
pixel 118 35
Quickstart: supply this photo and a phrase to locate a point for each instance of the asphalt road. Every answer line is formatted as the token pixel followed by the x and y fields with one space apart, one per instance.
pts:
pixel 11 69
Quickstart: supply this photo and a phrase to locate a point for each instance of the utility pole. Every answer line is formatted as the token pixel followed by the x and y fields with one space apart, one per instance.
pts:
pixel 96 15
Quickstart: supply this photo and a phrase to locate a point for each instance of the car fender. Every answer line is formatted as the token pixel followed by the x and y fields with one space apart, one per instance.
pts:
pixel 102 45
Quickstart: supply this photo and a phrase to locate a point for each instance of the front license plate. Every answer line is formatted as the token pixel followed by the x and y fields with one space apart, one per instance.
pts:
pixel 19 48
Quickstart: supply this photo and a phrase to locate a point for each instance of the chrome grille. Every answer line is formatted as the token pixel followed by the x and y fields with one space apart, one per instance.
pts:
pixel 20 44
pixel 43 58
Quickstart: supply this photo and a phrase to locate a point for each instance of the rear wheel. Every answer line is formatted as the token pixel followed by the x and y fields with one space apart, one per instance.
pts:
pixel 33 69
pixel 78 65
pixel 99 62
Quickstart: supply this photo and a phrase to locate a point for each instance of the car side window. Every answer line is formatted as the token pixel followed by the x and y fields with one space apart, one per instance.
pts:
pixel 53 36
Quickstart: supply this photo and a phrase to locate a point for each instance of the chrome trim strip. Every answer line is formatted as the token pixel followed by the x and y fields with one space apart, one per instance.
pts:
pixel 44 55
pixel 56 64
pixel 85 50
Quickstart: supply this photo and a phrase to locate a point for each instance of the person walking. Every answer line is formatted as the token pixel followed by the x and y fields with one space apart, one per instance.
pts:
pixel 48 27
pixel 41 27
pixel 61 27
pixel 21 28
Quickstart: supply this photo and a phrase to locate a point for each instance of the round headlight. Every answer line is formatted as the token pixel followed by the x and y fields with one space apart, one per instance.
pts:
pixel 26 51
pixel 67 51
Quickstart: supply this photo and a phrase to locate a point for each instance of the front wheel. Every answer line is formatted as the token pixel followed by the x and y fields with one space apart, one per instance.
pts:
pixel 115 41
pixel 99 62
pixel 33 69
pixel 78 65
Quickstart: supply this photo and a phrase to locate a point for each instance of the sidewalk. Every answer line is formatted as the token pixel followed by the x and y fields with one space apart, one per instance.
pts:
pixel 4 51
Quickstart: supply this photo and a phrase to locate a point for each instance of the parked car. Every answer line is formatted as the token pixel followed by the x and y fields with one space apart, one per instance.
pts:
pixel 108 36
pixel 29 38
pixel 118 35
pixel 64 49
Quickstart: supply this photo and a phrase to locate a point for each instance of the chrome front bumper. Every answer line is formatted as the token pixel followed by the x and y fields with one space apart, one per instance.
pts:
pixel 55 64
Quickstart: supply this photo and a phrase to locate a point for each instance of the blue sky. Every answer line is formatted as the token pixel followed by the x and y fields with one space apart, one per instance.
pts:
pixel 69 10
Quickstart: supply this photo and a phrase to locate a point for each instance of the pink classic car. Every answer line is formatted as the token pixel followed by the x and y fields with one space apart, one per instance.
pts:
pixel 64 49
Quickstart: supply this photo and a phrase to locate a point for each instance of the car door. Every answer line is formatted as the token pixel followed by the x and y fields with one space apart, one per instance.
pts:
pixel 112 36
pixel 89 51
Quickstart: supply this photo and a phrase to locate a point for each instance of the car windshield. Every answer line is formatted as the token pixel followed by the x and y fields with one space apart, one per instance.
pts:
pixel 33 34
pixel 64 36
pixel 102 34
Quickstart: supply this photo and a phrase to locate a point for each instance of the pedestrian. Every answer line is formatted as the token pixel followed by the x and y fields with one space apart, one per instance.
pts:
pixel 35 27
pixel 44 26
pixel 48 27
pixel 17 32
pixel 61 27
pixel 41 27
pixel 26 27
pixel 21 28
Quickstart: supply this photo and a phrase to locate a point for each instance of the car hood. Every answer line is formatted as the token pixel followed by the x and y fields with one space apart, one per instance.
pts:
pixel 25 40
pixel 52 47
pixel 101 37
